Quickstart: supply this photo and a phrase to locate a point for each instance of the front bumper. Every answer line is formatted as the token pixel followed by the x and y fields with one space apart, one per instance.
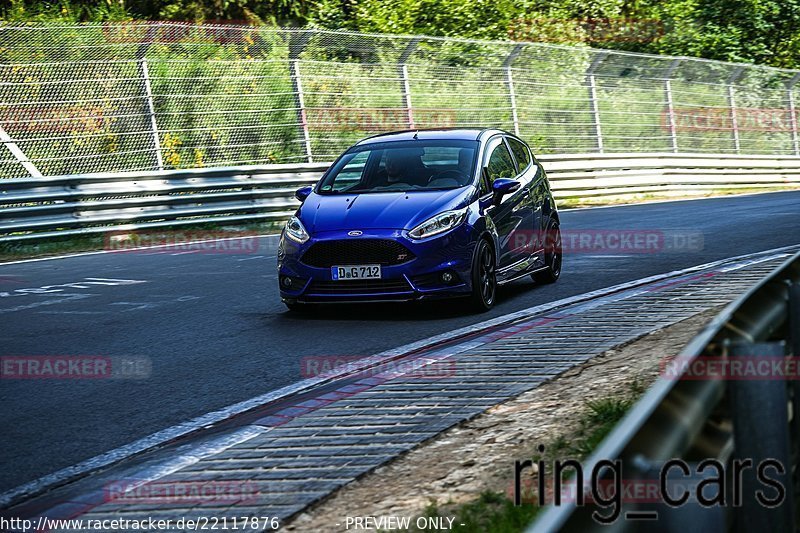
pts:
pixel 421 277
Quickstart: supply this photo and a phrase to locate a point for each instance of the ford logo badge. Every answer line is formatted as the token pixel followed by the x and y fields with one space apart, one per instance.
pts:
pixel 355 233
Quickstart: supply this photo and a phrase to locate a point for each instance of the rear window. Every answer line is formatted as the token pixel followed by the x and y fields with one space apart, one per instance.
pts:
pixel 521 153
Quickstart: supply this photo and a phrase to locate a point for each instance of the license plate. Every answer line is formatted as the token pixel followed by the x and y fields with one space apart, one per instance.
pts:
pixel 341 273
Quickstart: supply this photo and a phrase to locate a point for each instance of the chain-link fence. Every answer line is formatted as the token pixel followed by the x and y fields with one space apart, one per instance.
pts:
pixel 134 96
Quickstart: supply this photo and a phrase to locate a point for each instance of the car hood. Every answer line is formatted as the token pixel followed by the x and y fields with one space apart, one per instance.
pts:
pixel 387 210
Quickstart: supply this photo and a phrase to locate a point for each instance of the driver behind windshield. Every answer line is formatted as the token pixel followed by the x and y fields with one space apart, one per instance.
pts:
pixel 406 166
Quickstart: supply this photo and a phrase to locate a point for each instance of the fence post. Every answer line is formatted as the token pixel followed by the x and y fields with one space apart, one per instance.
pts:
pixel 793 322
pixel 732 104
pixel 592 86
pixel 510 80
pixel 405 84
pixel 673 130
pixel 144 73
pixel 151 110
pixel 793 113
pixel 296 45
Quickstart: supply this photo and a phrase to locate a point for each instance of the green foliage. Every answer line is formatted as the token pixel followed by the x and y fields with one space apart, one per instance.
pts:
pixel 64 11
pixel 477 18
pixel 491 511
pixel 291 12
pixel 757 31
pixel 602 417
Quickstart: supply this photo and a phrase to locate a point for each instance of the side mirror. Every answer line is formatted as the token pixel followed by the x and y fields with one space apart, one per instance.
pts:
pixel 504 186
pixel 303 192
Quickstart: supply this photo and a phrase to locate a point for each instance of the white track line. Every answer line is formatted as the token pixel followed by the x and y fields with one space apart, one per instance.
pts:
pixel 128 250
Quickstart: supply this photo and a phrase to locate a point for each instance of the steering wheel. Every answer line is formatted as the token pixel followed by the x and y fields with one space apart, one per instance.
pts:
pixel 457 175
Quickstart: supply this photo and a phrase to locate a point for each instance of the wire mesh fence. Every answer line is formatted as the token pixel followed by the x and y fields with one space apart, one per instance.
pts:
pixel 164 95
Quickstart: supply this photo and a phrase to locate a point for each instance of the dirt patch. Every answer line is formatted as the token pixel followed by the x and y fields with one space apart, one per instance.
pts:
pixel 478 456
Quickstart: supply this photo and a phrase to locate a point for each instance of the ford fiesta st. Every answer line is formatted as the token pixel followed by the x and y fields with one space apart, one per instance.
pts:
pixel 422 214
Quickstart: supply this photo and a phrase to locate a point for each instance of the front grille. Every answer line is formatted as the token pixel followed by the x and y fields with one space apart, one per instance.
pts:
pixel 384 252
pixel 359 286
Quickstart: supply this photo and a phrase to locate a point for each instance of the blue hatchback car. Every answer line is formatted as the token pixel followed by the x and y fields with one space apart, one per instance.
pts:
pixel 422 214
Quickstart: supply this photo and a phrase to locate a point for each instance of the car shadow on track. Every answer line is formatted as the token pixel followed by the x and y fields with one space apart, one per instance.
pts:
pixel 410 311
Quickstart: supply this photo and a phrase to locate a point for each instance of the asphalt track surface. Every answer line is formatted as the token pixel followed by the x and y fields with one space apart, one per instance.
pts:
pixel 215 332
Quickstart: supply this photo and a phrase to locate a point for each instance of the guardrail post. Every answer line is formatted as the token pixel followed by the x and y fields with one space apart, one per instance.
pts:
pixel 144 73
pixel 405 84
pixel 732 105
pixel 673 130
pixel 794 348
pixel 759 409
pixel 793 112
pixel 593 106
pixel 297 42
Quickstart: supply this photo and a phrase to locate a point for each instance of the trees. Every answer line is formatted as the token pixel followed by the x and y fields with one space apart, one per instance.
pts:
pixel 758 31
pixel 753 31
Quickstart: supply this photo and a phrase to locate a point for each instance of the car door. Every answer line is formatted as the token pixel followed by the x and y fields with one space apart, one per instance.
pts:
pixel 531 176
pixel 509 214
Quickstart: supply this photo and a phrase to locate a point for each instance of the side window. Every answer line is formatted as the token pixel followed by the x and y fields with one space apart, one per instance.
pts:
pixel 521 153
pixel 500 164
pixel 485 187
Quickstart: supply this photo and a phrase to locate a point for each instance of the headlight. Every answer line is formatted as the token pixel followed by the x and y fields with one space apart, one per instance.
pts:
pixel 439 224
pixel 296 231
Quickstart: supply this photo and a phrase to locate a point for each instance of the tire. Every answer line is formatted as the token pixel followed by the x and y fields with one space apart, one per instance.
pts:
pixel 552 255
pixel 484 277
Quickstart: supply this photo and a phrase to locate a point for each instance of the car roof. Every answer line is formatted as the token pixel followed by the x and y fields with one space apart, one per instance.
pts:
pixel 462 134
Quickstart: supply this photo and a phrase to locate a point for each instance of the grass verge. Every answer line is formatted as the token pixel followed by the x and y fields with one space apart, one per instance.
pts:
pixel 568 203
pixel 495 511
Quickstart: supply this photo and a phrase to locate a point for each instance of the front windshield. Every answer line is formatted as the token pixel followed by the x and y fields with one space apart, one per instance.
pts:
pixel 403 166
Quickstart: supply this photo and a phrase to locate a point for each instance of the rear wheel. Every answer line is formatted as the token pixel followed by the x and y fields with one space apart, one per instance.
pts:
pixel 484 280
pixel 552 255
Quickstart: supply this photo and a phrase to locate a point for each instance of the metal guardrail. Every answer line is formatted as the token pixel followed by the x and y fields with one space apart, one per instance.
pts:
pixel 46 207
pixel 727 420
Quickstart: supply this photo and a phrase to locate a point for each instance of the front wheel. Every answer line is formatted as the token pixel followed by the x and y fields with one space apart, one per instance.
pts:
pixel 484 280
pixel 552 255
